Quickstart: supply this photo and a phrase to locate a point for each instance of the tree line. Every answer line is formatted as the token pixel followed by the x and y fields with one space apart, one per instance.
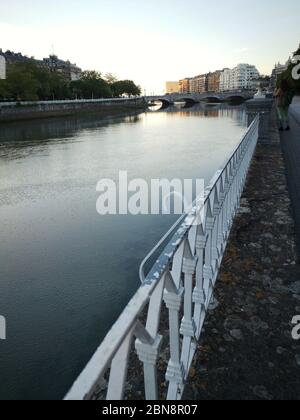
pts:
pixel 29 82
pixel 289 75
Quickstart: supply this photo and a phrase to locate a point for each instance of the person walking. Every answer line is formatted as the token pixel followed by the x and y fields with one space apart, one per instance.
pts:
pixel 284 97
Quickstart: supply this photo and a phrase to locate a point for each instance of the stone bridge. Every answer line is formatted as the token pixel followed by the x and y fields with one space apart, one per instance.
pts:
pixel 191 98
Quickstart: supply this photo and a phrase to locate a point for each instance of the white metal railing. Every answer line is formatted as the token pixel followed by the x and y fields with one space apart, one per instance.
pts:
pixel 183 278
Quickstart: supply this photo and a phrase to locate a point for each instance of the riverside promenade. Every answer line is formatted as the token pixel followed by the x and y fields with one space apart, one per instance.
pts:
pixel 247 351
pixel 290 141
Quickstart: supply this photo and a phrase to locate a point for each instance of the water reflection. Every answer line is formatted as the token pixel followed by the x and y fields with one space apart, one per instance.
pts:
pixel 66 273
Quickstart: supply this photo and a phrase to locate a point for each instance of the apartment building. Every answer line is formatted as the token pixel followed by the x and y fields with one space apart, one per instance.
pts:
pixel 198 84
pixel 184 85
pixel 52 63
pixel 225 80
pixel 242 75
pixel 213 81
pixel 66 68
pixel 172 87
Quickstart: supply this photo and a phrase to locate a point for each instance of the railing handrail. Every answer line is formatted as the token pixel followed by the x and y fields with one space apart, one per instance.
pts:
pixel 207 192
pixel 196 255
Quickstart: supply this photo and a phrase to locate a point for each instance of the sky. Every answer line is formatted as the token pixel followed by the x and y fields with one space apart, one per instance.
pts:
pixel 153 41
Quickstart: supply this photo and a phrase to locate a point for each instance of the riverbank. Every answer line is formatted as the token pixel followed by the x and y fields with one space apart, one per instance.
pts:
pixel 247 351
pixel 40 110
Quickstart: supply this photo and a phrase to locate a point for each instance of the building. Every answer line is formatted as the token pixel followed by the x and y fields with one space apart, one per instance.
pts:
pixel 277 71
pixel 2 67
pixel 242 75
pixel 65 68
pixel 198 84
pixel 12 58
pixel 184 85
pixel 193 85
pixel 213 81
pixel 202 83
pixel 172 87
pixel 53 63
pixel 225 80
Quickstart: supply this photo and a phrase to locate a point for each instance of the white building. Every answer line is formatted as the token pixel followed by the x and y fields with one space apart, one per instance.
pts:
pixel 2 67
pixel 242 75
pixel 225 80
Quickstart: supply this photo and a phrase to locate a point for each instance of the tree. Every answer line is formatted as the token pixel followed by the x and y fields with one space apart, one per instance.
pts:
pixel 91 85
pixel 4 93
pixel 28 81
pixel 288 75
pixel 125 87
pixel 110 78
pixel 21 83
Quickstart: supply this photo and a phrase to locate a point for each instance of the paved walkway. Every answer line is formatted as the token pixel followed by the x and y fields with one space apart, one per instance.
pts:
pixel 290 141
pixel 247 351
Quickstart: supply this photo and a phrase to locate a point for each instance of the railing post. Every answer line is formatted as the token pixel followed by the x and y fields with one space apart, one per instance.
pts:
pixel 221 237
pixel 148 355
pixel 215 251
pixel 208 269
pixel 188 326
pixel 175 371
pixel 148 349
pixel 199 296
pixel 226 205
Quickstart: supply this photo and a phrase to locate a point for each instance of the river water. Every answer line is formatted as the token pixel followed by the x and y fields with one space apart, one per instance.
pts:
pixel 66 272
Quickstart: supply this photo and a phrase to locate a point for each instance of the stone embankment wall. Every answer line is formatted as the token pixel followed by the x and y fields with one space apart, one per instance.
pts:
pixel 31 110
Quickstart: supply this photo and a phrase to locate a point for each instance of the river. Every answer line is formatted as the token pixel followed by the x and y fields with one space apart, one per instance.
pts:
pixel 66 272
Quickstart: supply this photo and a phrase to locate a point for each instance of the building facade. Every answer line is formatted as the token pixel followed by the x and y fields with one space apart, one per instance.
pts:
pixel 225 80
pixel 52 63
pixel 277 71
pixel 198 84
pixel 12 58
pixel 213 81
pixel 242 75
pixel 65 68
pixel 2 67
pixel 172 87
pixel 184 85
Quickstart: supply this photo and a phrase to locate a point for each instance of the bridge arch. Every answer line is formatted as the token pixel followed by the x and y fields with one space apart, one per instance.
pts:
pixel 235 99
pixel 188 101
pixel 164 102
pixel 211 99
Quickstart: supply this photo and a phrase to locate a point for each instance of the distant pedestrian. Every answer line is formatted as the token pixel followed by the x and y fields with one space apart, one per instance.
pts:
pixel 284 97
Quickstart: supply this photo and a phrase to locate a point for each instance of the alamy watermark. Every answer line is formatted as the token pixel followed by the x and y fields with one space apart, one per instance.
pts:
pixel 141 197
pixel 296 69
pixel 2 328
pixel 296 329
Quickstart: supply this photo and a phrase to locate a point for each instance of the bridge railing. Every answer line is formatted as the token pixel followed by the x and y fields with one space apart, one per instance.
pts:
pixel 183 278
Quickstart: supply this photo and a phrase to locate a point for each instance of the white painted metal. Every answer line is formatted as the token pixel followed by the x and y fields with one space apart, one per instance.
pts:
pixel 183 277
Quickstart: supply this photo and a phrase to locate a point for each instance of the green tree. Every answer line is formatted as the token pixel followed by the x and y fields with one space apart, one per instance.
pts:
pixel 91 85
pixel 289 73
pixel 125 87
pixel 4 93
pixel 110 78
pixel 21 83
